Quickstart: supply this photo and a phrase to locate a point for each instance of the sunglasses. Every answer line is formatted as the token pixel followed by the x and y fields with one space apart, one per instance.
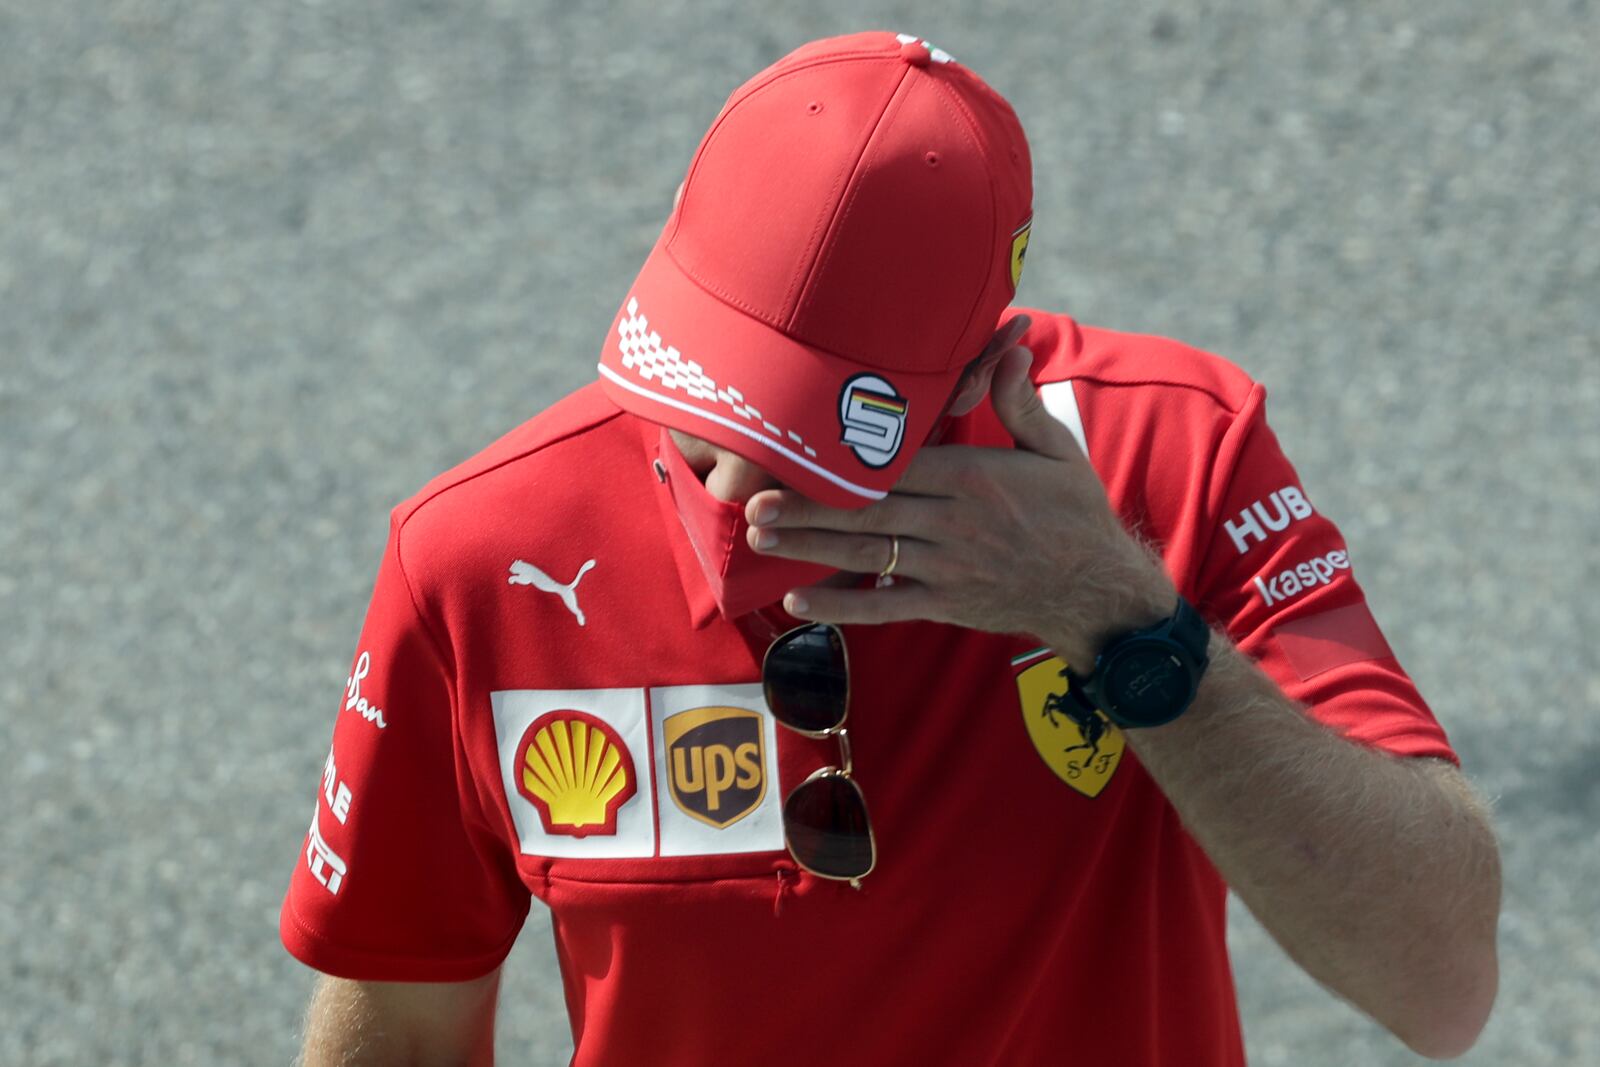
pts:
pixel 806 678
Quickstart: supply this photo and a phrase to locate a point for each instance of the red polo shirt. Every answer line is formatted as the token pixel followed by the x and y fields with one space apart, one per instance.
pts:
pixel 544 703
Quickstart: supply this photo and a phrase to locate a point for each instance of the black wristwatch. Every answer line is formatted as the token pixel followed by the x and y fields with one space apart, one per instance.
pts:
pixel 1148 677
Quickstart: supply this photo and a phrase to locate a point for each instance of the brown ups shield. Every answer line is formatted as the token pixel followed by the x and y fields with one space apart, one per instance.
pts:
pixel 716 763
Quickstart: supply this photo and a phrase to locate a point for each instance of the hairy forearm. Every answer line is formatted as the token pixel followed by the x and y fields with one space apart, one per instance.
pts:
pixel 399 1024
pixel 1379 876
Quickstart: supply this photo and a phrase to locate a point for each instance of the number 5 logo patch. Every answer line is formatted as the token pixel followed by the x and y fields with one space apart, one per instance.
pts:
pixel 1083 748
pixel 872 416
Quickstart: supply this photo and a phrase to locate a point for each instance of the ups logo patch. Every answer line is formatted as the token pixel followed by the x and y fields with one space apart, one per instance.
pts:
pixel 716 762
pixel 1081 746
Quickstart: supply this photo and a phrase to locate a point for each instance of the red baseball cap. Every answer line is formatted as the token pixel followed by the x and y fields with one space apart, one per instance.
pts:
pixel 852 227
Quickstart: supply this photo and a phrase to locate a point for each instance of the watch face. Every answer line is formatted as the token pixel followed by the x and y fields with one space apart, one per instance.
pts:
pixel 1147 685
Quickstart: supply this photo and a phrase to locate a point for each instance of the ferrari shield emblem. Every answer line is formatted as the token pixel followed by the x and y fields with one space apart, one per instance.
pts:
pixel 1019 251
pixel 1082 747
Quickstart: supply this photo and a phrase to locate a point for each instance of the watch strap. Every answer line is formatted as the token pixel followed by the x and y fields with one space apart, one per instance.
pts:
pixel 1190 630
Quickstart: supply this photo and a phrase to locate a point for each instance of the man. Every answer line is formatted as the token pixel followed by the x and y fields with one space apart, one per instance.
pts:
pixel 990 817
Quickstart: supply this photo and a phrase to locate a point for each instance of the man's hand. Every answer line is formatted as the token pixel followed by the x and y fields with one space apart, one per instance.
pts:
pixel 1005 540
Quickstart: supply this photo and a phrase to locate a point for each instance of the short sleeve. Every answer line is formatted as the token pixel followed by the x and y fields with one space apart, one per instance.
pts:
pixel 400 877
pixel 1278 576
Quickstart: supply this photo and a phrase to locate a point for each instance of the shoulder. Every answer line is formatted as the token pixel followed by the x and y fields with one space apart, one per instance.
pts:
pixel 526 485
pixel 1163 423
pixel 1136 366
pixel 1150 408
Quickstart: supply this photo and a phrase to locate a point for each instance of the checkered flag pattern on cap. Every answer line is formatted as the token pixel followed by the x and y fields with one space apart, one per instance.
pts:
pixel 642 351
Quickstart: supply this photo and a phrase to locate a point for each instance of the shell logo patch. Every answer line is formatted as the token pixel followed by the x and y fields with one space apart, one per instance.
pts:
pixel 576 772
pixel 716 763
pixel 1019 251
pixel 1083 748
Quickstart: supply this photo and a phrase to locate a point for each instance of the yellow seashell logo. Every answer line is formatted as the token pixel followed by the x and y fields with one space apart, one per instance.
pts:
pixel 576 771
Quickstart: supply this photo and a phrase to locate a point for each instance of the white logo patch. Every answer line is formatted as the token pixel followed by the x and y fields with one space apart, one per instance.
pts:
pixel 524 573
pixel 633 832
pixel 761 830
pixel 873 415
pixel 642 730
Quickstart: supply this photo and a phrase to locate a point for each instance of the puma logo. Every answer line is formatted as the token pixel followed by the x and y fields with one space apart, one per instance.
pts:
pixel 524 573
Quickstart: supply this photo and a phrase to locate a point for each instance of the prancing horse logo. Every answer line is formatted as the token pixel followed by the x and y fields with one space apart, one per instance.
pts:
pixel 524 573
pixel 1080 745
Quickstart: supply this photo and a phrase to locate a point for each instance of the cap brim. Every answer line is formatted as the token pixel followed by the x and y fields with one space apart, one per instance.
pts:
pixel 832 429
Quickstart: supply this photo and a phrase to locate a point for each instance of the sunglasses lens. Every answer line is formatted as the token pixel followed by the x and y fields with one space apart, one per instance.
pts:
pixel 825 825
pixel 805 679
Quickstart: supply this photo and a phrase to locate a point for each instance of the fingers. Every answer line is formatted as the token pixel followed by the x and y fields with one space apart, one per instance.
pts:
pixel 1008 335
pixel 901 602
pixel 785 509
pixel 1023 413
pixel 855 552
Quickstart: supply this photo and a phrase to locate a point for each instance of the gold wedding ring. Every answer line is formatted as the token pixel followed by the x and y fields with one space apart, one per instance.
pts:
pixel 886 576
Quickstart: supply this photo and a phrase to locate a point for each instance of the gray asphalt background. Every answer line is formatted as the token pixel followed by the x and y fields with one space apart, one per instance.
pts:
pixel 266 267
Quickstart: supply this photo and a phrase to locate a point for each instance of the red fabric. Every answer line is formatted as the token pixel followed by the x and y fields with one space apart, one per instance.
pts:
pixel 1013 918
pixel 1319 643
